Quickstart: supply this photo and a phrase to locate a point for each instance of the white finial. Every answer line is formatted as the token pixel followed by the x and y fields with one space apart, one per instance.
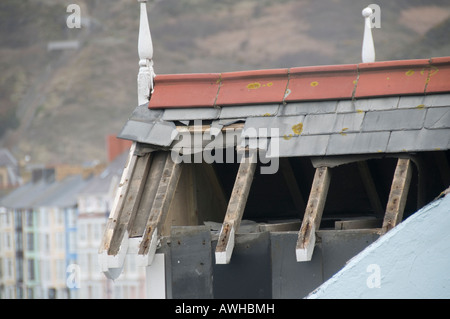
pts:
pixel 145 50
pixel 368 48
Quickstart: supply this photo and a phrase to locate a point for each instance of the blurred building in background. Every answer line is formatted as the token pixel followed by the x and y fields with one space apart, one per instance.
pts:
pixel 51 227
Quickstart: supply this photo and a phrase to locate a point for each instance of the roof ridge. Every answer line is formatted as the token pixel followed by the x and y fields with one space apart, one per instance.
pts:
pixel 306 83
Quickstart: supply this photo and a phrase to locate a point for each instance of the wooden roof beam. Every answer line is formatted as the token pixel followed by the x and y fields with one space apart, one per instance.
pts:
pixel 398 195
pixel 158 213
pixel 313 214
pixel 236 207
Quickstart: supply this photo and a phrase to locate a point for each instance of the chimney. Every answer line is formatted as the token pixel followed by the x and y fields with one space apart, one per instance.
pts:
pixel 116 146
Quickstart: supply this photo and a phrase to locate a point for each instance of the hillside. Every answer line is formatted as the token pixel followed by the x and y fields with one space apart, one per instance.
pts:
pixel 58 106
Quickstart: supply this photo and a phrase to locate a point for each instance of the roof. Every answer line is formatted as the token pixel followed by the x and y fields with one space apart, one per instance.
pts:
pixel 9 161
pixel 101 184
pixel 6 158
pixel 45 194
pixel 379 107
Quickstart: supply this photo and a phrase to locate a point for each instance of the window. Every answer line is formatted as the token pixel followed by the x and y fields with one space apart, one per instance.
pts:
pixel 44 218
pixel 61 270
pixel 46 243
pixel 30 242
pixel 60 241
pixel 97 233
pixel 18 219
pixel 9 268
pixel 7 241
pixel 30 270
pixel 71 218
pixel 29 218
pixel 82 235
pixel 59 217
pixel 18 240
pixel 72 242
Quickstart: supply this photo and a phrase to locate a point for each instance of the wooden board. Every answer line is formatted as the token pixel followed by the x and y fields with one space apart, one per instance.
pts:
pixel 235 208
pixel 398 195
pixel 119 200
pixel 131 201
pixel 161 204
pixel 137 224
pixel 313 214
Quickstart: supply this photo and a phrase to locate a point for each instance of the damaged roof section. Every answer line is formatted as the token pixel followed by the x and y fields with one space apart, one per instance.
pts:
pixel 380 107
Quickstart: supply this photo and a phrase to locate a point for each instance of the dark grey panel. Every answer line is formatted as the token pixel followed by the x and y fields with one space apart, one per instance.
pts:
pixel 190 251
pixel 338 247
pixel 292 279
pixel 248 275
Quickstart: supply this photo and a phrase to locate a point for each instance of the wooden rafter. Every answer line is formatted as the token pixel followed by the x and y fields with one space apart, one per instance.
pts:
pixel 137 224
pixel 119 201
pixel 398 195
pixel 235 208
pixel 130 201
pixel 161 204
pixel 313 214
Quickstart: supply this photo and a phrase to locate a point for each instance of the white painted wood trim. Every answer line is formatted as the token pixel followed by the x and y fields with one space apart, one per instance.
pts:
pixel 145 260
pixel 305 254
pixel 112 265
pixel 368 47
pixel 145 50
pixel 155 278
pixel 224 257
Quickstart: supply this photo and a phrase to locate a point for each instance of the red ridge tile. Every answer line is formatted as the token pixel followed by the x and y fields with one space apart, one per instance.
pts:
pixel 385 78
pixel 392 78
pixel 252 87
pixel 439 75
pixel 185 90
pixel 321 82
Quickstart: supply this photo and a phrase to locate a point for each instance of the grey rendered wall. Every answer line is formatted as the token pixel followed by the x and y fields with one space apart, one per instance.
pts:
pixel 263 264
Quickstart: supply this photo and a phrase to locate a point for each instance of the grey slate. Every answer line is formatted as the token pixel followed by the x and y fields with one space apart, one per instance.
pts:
pixel 319 123
pixel 308 145
pixel 313 128
pixel 357 143
pixel 377 104
pixel 411 102
pixel 263 125
pixel 437 100
pixel 303 108
pixel 249 111
pixel 438 117
pixel 394 120
pixel 182 114
pixel 162 133
pixel 419 140
pixel 348 122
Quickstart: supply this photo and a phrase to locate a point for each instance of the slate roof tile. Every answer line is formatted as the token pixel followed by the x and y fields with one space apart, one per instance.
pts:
pixel 438 117
pixel 358 143
pixel 376 104
pixel 303 108
pixel 418 140
pixel 394 120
